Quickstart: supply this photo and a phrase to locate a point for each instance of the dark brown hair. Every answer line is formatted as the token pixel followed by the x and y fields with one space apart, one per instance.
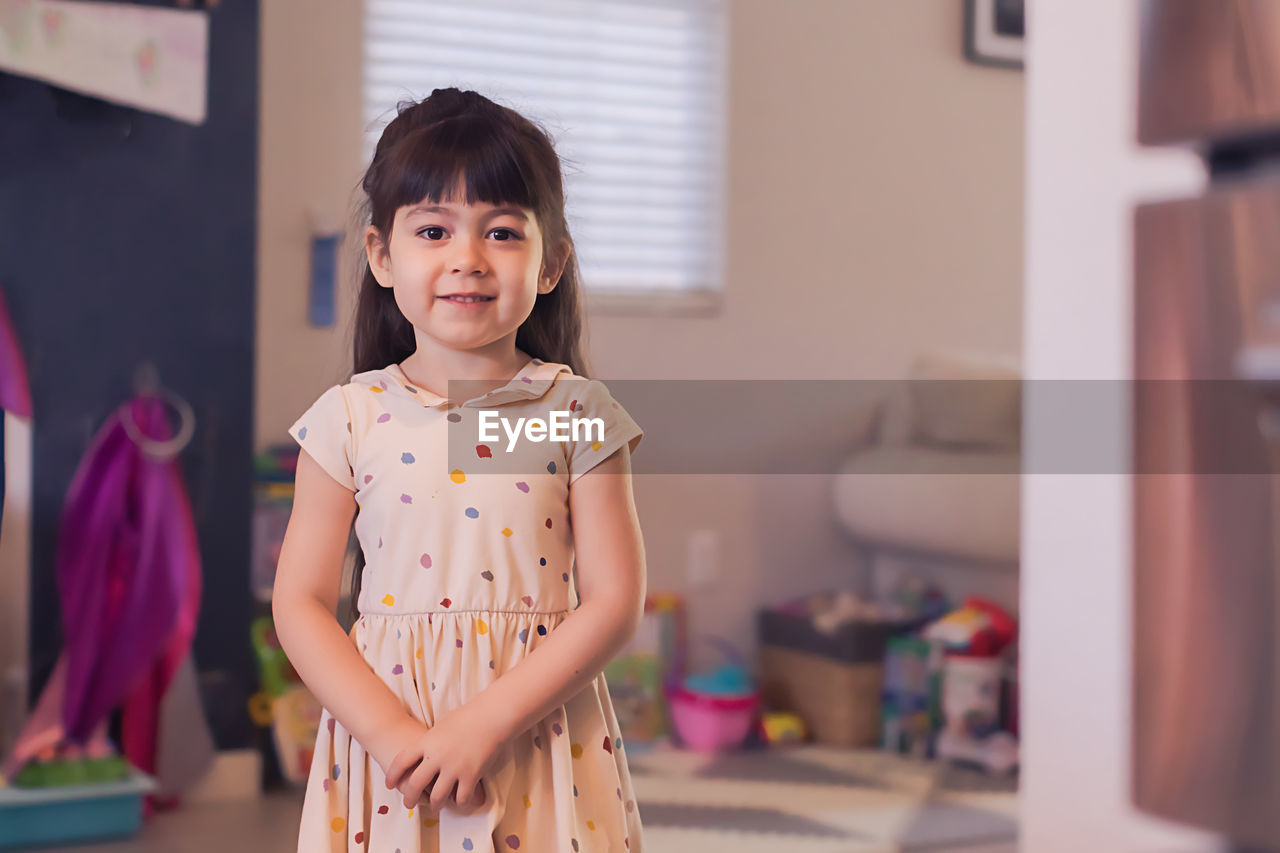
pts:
pixel 432 147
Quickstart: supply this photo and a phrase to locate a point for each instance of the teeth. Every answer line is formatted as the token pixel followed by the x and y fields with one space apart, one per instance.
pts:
pixel 467 298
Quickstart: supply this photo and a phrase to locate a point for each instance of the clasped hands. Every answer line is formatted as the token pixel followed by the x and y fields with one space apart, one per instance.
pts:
pixel 444 762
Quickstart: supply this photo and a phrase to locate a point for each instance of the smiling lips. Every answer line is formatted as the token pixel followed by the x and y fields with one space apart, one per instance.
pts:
pixel 467 298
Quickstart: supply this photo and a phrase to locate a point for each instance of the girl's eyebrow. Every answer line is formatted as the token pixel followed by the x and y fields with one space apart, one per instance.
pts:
pixel 497 211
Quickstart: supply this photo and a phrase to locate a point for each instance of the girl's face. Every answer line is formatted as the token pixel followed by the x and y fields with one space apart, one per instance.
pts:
pixel 465 275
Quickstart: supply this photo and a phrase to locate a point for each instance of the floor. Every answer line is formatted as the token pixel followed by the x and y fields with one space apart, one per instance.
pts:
pixel 807 799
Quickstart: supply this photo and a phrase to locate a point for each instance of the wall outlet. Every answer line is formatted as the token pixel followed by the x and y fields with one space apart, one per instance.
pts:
pixel 702 558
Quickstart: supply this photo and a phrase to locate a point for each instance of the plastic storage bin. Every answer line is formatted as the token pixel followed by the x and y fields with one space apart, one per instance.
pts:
pixel 31 817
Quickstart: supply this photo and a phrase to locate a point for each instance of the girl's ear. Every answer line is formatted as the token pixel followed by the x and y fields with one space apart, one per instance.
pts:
pixel 379 259
pixel 553 267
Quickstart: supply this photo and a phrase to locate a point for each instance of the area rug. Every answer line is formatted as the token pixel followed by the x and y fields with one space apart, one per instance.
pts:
pixel 815 799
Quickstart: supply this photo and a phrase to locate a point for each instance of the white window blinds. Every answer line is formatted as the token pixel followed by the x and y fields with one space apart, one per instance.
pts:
pixel 631 92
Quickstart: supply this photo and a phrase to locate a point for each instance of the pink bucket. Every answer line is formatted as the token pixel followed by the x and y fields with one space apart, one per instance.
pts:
pixel 709 722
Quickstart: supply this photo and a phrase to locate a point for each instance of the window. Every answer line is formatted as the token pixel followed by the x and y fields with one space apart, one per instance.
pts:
pixel 632 93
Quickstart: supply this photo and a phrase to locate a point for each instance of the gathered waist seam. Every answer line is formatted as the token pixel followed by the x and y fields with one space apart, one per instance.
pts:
pixel 452 611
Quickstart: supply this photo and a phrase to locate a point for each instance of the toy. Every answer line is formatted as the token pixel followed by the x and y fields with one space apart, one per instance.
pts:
pixel 911 700
pixel 635 676
pixel 973 676
pixel 284 704
pixel 717 710
pixel 782 727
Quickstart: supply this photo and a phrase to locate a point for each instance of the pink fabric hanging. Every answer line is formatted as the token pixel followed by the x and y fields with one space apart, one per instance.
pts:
pixel 129 579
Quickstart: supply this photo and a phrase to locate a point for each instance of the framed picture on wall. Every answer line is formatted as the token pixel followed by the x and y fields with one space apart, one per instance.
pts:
pixel 994 32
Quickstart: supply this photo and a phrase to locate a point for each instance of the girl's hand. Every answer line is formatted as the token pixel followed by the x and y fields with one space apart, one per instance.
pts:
pixel 447 761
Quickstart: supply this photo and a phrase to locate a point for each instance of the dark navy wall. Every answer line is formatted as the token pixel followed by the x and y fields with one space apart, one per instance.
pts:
pixel 129 237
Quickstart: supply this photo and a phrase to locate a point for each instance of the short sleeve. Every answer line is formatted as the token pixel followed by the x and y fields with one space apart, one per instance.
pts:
pixel 592 400
pixel 324 431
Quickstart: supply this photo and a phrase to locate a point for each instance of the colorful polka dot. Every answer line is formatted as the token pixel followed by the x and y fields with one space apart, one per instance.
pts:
pixel 527 599
pixel 487 575
pixel 428 821
pixel 542 561
pixel 467 845
pixel 389 600
pixel 406 499
pixel 454 417
pixel 513 841
pixel 407 458
pixel 418 653
pixel 397 669
pixel 377 390
pixel 551 467
pixel 542 630
pixel 608 745
pixel 523 486
pixel 338 824
pixel 457 475
pixel 472 512
pixel 555 728
pixel 548 524
pixel 302 433
pixel 591 824
pixel 507 531
pixel 359 838
pixel 595 445
pixel 425 561
pixel 564 576
pixel 524 635
pixel 528 803
pixel 384 417
pixel 481 627
pixel 483 451
pixel 444 602
pixel 368 478
pixel 383 810
pixel 574 841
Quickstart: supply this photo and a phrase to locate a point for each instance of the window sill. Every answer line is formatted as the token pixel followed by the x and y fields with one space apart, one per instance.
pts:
pixel 686 303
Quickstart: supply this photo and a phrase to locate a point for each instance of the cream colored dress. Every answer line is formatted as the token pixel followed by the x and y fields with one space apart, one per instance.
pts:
pixel 469 566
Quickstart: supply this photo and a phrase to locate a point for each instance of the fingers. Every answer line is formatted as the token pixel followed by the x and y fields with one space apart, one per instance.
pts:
pixel 417 782
pixel 445 790
pixel 475 795
pixel 400 765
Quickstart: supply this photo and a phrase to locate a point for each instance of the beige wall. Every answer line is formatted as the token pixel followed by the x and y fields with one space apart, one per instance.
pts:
pixel 873 208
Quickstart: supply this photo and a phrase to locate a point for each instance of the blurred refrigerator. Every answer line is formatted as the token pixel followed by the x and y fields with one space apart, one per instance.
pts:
pixel 1206 440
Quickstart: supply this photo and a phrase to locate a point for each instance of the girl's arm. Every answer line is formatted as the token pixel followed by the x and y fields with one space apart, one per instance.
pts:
pixel 304 603
pixel 611 576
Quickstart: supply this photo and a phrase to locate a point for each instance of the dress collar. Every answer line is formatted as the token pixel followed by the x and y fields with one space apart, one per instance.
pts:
pixel 530 382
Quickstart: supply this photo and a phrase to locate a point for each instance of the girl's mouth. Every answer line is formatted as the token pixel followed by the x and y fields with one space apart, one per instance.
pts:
pixel 467 300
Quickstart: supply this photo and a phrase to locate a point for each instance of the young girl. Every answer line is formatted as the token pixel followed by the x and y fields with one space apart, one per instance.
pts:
pixel 466 710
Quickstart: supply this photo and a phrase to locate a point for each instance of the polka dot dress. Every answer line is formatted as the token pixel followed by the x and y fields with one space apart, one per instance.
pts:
pixel 468 567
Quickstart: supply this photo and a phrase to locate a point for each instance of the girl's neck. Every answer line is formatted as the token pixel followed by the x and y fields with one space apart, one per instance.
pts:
pixel 432 365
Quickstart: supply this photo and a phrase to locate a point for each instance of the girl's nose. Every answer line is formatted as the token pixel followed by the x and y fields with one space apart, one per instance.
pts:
pixel 468 257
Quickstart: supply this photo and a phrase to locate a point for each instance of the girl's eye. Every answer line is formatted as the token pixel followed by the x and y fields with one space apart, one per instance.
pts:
pixel 428 232
pixel 508 231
